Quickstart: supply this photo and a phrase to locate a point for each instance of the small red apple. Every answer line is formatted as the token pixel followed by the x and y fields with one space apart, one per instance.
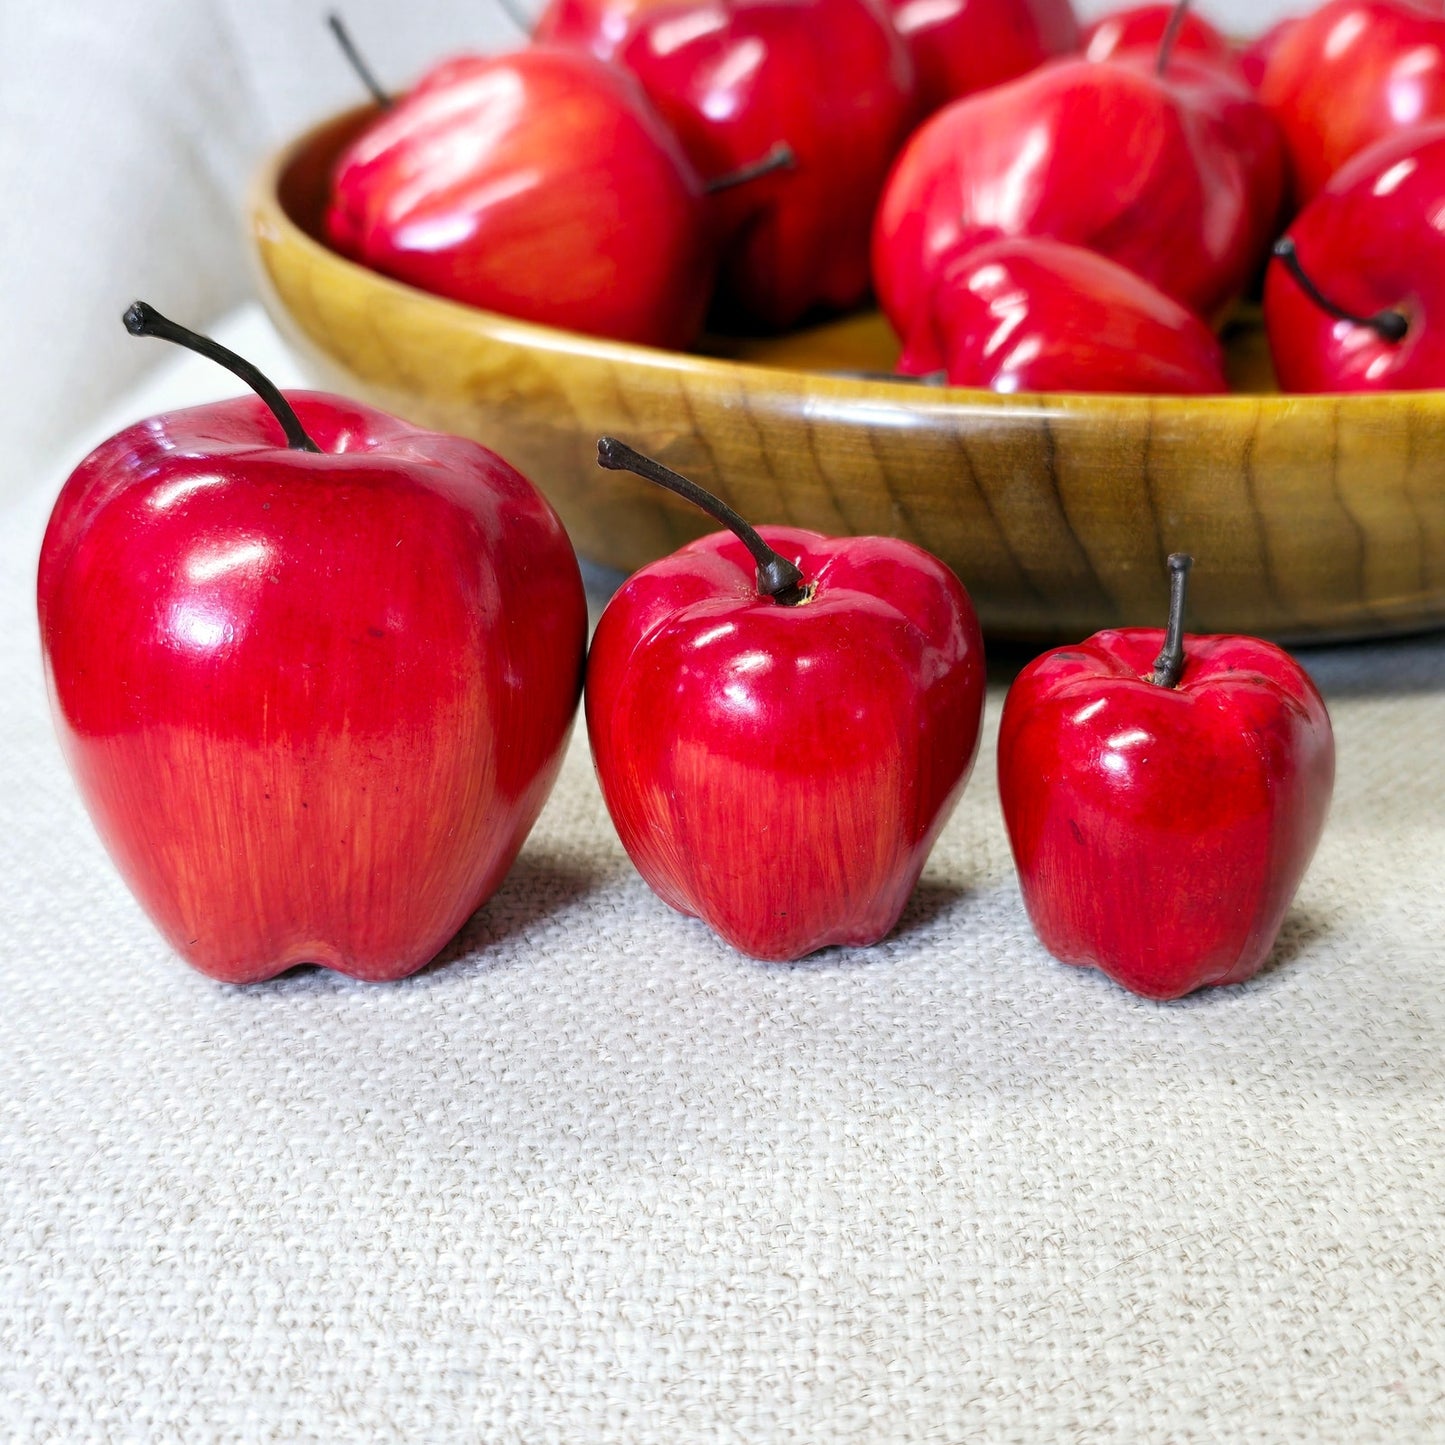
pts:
pixel 1176 176
pixel 599 26
pixel 1349 74
pixel 1144 26
pixel 1355 298
pixel 313 670
pixel 781 724
pixel 827 79
pixel 541 185
pixel 960 46
pixel 1030 314
pixel 1162 811
pixel 1254 58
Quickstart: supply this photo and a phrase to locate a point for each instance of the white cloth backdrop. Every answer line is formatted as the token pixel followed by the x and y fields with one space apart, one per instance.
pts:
pixel 593 1176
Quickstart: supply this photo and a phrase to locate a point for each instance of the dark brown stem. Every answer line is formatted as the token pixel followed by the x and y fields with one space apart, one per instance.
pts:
pixel 777 577
pixel 1171 34
pixel 144 320
pixel 362 69
pixel 779 158
pixel 1169 665
pixel 1389 324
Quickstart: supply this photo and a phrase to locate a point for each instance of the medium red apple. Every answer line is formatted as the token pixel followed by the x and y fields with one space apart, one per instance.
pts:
pixel 1162 811
pixel 828 79
pixel 1177 177
pixel 1349 74
pixel 1030 314
pixel 1355 299
pixel 313 695
pixel 960 46
pixel 541 185
pixel 782 725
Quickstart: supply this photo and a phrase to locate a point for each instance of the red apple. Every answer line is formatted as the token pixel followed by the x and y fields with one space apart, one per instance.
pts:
pixel 1349 74
pixel 599 26
pixel 782 725
pixel 1039 315
pixel 960 46
pixel 313 695
pixel 1162 812
pixel 1176 177
pixel 1144 26
pixel 1254 58
pixel 1355 299
pixel 541 185
pixel 828 79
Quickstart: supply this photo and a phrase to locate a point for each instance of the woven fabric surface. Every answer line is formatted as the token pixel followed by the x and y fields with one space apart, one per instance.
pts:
pixel 593 1176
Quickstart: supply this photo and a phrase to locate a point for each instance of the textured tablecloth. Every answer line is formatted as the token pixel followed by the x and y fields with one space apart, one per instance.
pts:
pixel 592 1176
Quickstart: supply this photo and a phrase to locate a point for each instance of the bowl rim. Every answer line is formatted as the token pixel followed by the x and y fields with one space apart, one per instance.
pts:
pixel 270 220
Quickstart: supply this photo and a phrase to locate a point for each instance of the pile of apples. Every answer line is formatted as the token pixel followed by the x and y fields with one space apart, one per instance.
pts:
pixel 1036 205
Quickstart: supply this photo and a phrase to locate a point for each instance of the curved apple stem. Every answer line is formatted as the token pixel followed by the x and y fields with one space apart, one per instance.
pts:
pixel 1171 34
pixel 1389 324
pixel 142 319
pixel 1169 665
pixel 777 577
pixel 779 158
pixel 363 70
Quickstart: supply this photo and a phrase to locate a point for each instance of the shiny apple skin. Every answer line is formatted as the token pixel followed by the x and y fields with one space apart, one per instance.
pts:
pixel 1177 178
pixel 1254 58
pixel 540 185
pixel 1350 74
pixel 1369 241
pixel 830 79
pixel 960 46
pixel 1144 26
pixel 1036 315
pixel 598 26
pixel 313 703
pixel 1160 833
pixel 782 772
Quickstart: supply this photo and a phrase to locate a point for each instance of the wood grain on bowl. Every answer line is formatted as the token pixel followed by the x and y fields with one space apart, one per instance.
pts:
pixel 1309 517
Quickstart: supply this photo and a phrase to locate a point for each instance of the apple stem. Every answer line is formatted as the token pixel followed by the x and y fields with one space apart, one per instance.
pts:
pixel 779 158
pixel 142 319
pixel 1389 324
pixel 777 577
pixel 362 69
pixel 1169 665
pixel 517 16
pixel 1171 34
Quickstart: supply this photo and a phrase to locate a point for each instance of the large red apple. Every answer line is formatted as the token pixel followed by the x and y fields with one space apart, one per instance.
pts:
pixel 1176 177
pixel 782 725
pixel 541 185
pixel 313 695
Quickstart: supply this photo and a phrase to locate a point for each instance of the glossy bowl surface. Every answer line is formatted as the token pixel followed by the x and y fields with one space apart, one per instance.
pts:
pixel 1309 517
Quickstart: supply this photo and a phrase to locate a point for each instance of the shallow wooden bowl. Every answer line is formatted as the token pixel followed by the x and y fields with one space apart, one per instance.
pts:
pixel 1309 517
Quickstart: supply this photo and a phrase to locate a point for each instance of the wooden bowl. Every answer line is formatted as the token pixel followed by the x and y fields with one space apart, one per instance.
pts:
pixel 1308 517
